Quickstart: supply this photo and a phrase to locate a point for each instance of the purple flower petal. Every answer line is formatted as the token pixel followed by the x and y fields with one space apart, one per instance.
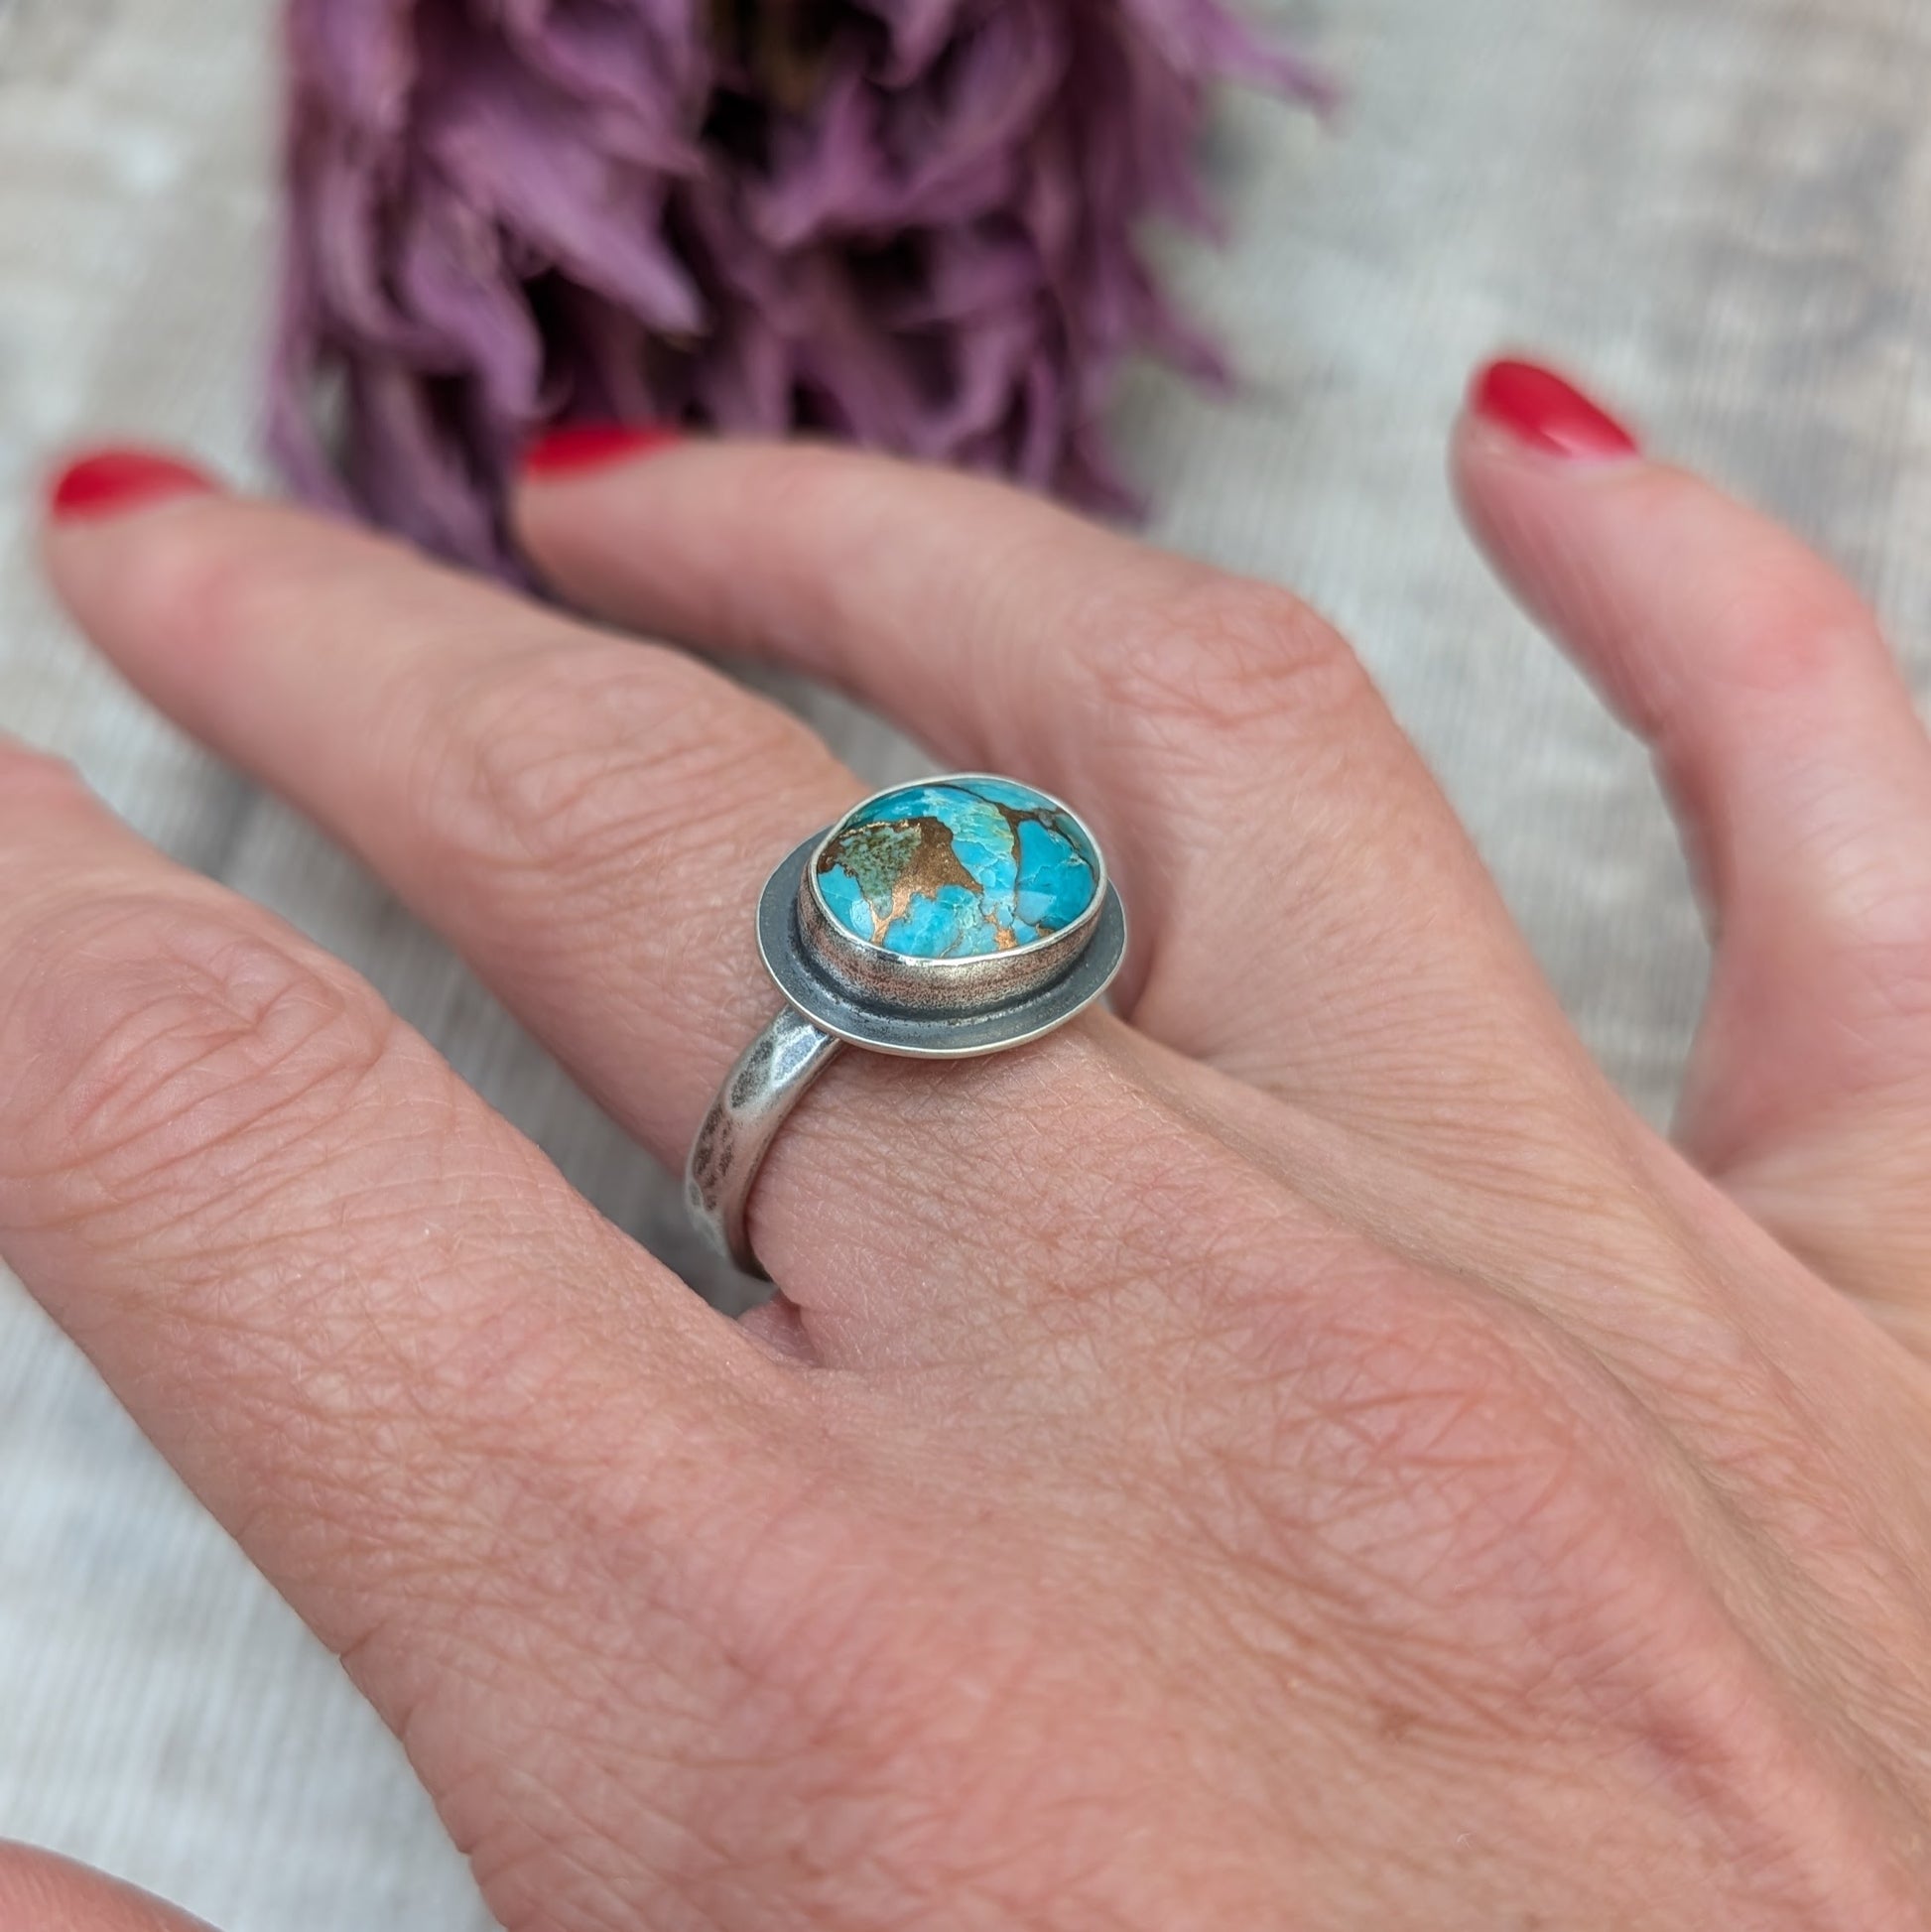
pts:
pixel 913 223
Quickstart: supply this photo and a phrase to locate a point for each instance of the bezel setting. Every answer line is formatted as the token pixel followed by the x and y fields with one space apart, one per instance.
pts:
pixel 948 1008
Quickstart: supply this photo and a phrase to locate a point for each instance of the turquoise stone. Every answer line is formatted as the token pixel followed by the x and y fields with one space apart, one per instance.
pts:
pixel 962 866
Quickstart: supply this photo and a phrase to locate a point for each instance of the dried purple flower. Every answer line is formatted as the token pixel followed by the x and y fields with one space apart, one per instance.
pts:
pixel 913 224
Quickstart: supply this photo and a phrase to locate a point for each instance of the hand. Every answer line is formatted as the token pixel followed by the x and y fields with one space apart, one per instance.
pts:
pixel 1298 1453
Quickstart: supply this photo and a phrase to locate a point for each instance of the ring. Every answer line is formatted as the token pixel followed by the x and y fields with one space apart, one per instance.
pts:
pixel 948 918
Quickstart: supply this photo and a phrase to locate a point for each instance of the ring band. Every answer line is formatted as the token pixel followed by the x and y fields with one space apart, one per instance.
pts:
pixel 957 915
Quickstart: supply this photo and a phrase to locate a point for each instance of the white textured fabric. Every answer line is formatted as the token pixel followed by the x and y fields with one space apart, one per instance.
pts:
pixel 1719 208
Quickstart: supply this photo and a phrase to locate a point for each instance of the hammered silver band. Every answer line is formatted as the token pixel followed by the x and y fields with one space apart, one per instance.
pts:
pixel 771 1077
pixel 841 988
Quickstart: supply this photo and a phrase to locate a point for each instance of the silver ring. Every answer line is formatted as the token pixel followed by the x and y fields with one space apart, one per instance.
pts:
pixel 942 919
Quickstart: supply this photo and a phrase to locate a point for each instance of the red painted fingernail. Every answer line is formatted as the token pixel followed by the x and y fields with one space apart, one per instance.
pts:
pixel 104 482
pixel 1539 409
pixel 593 445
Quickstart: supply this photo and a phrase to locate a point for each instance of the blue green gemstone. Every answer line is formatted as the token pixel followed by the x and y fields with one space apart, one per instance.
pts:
pixel 959 867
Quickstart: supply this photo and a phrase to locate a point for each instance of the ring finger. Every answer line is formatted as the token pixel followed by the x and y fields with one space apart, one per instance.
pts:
pixel 1283 846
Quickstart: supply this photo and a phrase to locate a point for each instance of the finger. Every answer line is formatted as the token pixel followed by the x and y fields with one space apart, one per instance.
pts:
pixel 40 1892
pixel 592 820
pixel 413 1373
pixel 1288 861
pixel 1787 740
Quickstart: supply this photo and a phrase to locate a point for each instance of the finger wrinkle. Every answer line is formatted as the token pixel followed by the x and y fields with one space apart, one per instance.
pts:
pixel 167 1052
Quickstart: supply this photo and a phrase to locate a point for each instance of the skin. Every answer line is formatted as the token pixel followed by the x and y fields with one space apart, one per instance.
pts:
pixel 1297 1454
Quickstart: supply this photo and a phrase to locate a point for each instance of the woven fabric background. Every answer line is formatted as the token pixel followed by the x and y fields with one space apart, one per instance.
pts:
pixel 1720 210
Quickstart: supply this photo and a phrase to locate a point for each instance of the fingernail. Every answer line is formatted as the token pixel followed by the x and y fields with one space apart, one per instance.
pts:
pixel 1545 413
pixel 106 482
pixel 593 445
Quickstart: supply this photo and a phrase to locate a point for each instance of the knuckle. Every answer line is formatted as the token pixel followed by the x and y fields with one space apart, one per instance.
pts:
pixel 819 504
pixel 589 761
pixel 794 478
pixel 237 570
pixel 207 578
pixel 1798 642
pixel 160 1051
pixel 1787 622
pixel 1217 656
